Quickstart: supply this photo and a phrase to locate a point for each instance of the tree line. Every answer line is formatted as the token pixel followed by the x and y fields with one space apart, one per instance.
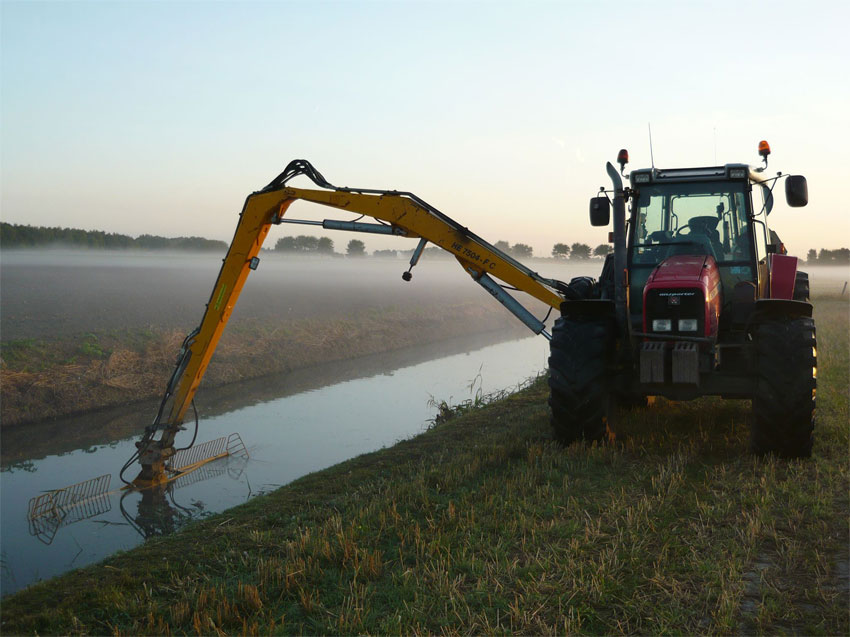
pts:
pixel 23 236
pixel 841 256
pixel 580 251
pixel 306 244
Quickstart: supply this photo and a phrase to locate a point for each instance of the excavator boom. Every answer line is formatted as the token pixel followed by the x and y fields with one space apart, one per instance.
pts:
pixel 397 213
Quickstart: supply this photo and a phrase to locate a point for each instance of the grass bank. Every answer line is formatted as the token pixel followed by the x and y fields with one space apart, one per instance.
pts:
pixel 483 525
pixel 43 379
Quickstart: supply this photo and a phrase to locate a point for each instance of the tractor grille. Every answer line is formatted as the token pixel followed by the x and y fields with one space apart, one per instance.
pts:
pixel 676 304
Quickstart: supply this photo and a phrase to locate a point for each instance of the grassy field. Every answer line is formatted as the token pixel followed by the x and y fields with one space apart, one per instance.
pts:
pixel 483 525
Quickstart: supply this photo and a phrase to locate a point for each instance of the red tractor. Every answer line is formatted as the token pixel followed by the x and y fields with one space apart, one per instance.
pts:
pixel 698 298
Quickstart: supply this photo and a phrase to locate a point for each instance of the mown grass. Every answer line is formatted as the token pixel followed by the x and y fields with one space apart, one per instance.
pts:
pixel 483 525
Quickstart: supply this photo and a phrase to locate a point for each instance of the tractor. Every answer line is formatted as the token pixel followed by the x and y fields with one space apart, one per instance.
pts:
pixel 697 298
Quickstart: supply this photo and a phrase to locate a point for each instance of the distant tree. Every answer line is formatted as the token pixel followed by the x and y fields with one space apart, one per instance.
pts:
pixel 285 244
pixel 812 256
pixel 841 256
pixel 504 246
pixel 115 241
pixel 385 254
pixel 151 242
pixel 355 248
pixel 579 251
pixel 602 250
pixel 325 246
pixel 560 250
pixel 196 243
pixel 305 243
pixel 9 236
pixel 522 250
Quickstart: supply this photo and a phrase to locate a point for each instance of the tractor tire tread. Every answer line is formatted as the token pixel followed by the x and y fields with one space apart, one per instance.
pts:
pixel 579 351
pixel 801 287
pixel 784 399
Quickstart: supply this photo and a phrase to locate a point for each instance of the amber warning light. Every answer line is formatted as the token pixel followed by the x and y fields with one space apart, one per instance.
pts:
pixel 623 156
pixel 764 148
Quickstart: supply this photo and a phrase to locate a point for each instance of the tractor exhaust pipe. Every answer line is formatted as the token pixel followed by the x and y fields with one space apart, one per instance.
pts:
pixel 621 284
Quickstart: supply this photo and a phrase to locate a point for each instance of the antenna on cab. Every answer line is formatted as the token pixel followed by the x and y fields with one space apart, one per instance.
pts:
pixel 651 158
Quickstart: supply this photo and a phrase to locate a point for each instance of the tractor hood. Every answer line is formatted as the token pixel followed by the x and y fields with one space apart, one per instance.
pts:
pixel 681 269
pixel 683 290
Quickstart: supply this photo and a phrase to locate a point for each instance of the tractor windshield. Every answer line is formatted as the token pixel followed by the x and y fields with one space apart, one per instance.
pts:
pixel 691 218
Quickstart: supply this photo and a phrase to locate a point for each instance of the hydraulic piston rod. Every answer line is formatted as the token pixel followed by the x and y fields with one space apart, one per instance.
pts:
pixel 512 305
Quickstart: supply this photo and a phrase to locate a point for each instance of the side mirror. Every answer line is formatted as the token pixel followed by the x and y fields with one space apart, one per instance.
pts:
pixel 600 211
pixel 796 191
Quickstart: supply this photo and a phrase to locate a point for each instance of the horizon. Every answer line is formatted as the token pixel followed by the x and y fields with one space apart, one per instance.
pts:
pixel 432 250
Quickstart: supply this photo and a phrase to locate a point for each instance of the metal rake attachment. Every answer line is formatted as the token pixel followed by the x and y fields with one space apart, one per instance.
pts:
pixel 54 509
pixel 186 460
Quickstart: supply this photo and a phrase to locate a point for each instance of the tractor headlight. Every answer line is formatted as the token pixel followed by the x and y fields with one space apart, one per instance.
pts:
pixel 737 173
pixel 687 325
pixel 662 325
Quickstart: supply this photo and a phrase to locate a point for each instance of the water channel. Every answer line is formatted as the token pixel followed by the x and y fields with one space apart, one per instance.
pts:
pixel 291 425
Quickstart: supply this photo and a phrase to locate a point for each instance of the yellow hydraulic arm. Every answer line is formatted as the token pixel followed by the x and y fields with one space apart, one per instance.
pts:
pixel 398 213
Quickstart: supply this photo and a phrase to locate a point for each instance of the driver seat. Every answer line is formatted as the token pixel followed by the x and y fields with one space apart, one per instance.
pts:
pixel 707 226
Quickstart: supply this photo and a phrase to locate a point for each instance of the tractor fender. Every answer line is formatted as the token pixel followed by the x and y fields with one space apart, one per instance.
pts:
pixel 783 273
pixel 776 308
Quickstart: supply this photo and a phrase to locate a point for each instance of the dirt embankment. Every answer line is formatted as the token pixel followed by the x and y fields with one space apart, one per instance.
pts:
pixel 47 379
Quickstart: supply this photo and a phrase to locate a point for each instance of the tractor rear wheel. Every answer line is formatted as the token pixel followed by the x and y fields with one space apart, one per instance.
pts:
pixel 578 382
pixel 801 286
pixel 784 400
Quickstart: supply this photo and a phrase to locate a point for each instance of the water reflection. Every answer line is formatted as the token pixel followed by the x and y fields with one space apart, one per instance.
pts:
pixel 158 509
pixel 45 524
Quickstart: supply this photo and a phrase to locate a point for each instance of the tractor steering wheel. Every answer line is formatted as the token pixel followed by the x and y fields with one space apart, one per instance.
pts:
pixel 681 231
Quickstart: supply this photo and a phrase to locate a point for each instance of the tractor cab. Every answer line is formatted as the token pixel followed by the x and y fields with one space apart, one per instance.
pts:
pixel 704 212
pixel 692 212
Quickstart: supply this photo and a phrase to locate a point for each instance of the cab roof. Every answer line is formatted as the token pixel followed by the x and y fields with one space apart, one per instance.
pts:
pixel 710 173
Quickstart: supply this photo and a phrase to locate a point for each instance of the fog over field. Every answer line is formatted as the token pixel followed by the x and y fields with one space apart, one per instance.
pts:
pixel 827 279
pixel 49 293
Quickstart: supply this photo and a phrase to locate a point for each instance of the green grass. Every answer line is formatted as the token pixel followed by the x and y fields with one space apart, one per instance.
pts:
pixel 483 525
pixel 28 354
pixel 91 347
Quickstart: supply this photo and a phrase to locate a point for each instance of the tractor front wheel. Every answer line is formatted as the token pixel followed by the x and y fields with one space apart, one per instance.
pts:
pixel 578 383
pixel 784 400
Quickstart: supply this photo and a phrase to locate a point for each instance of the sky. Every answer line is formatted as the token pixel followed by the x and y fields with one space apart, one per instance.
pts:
pixel 161 117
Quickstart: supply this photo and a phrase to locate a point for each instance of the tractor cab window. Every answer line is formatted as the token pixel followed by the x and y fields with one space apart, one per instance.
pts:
pixel 691 218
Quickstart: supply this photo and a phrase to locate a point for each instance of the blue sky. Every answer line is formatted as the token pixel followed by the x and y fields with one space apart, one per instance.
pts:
pixel 160 117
